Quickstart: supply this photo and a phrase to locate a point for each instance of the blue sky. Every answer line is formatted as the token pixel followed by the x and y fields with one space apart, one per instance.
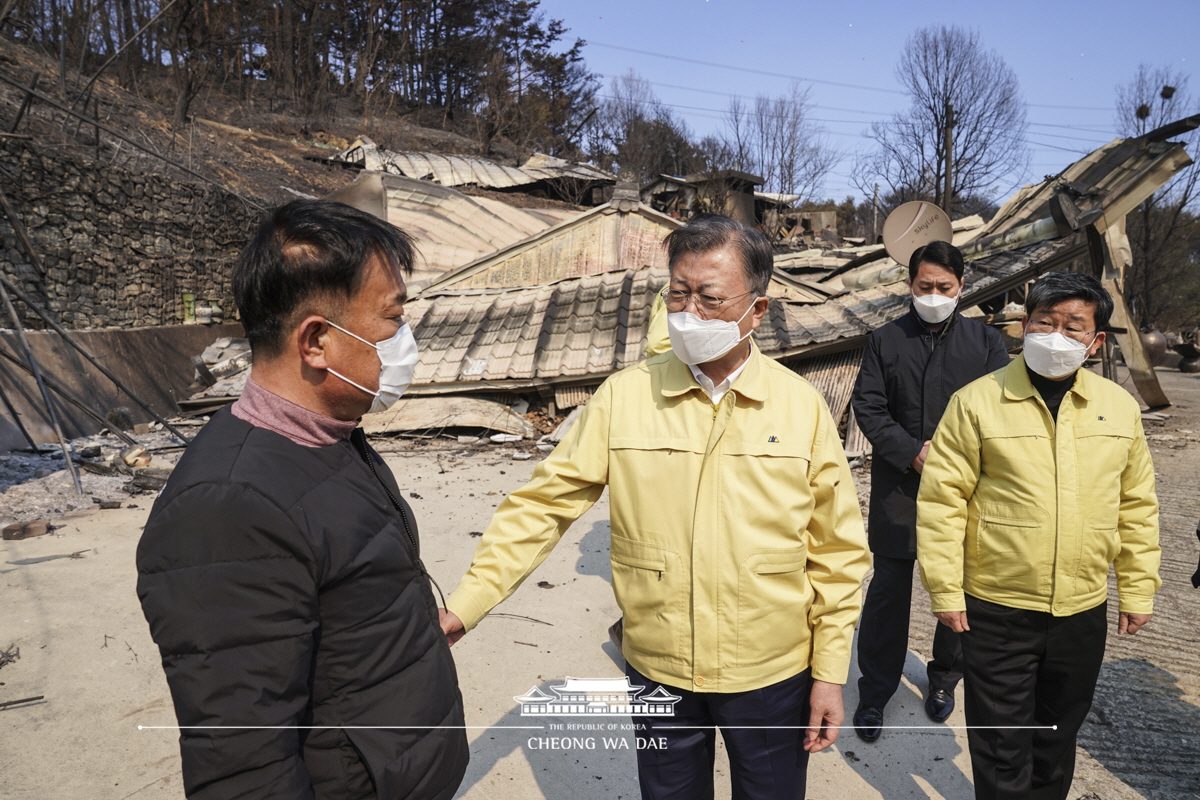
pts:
pixel 1069 56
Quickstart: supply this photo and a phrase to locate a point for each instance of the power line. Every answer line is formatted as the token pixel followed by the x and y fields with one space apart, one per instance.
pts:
pixel 1056 147
pixel 748 70
pixel 823 107
pixel 769 74
pixel 707 113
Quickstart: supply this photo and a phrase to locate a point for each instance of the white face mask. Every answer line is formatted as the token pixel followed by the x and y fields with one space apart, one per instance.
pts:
pixel 398 362
pixel 934 308
pixel 1053 355
pixel 699 341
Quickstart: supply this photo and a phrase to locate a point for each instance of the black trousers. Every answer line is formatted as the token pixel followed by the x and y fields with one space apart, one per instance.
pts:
pixel 1028 670
pixel 766 763
pixel 883 636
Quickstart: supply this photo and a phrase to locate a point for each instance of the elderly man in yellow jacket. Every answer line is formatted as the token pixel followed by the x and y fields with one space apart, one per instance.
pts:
pixel 1038 479
pixel 737 549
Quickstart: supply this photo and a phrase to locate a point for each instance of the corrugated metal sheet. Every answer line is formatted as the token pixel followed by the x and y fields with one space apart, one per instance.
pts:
pixel 814 263
pixel 602 239
pixel 1099 180
pixel 596 324
pixel 592 325
pixel 571 396
pixel 451 229
pixel 465 170
pixel 833 375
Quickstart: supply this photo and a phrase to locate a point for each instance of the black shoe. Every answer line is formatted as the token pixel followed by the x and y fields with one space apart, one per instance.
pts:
pixel 616 633
pixel 939 705
pixel 868 723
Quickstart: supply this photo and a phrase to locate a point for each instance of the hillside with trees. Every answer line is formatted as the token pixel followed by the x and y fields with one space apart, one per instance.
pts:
pixel 497 77
pixel 241 92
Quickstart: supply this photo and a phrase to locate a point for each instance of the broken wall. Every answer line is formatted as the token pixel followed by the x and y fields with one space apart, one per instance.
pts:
pixel 153 362
pixel 120 248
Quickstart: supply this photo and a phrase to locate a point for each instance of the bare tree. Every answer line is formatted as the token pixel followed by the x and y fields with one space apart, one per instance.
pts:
pixel 951 80
pixel 1162 286
pixel 633 134
pixel 777 140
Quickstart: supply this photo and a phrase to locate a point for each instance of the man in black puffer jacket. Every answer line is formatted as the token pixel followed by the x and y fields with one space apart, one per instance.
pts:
pixel 280 570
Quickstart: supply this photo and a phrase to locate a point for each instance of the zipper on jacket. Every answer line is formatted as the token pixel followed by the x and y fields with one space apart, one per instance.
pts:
pixel 361 445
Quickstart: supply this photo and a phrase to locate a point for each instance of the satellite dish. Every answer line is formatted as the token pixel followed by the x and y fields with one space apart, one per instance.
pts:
pixel 914 225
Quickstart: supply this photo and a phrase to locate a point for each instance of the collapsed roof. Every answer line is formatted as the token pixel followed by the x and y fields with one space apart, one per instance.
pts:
pixel 565 307
pixel 513 320
pixel 614 236
pixel 580 330
pixel 451 229
pixel 453 170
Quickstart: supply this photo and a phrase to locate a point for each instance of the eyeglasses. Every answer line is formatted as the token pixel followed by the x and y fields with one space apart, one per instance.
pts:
pixel 677 300
pixel 1045 326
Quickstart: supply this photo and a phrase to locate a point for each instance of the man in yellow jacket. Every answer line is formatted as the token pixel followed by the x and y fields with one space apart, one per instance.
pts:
pixel 1038 479
pixel 738 548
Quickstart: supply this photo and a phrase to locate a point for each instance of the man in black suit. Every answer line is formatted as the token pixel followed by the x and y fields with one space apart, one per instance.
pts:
pixel 910 369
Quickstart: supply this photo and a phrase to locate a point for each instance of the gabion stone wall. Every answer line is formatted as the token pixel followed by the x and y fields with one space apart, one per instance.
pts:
pixel 120 248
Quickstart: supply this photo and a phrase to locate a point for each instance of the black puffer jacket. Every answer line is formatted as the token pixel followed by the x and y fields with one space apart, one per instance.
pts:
pixel 907 378
pixel 284 588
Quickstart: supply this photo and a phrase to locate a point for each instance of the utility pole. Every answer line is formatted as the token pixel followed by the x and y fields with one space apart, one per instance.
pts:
pixel 875 215
pixel 948 192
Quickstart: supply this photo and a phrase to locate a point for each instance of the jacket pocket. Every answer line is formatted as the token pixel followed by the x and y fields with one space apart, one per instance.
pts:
pixel 1099 549
pixel 1014 550
pixel 764 487
pixel 1102 452
pixel 773 602
pixel 1013 450
pixel 652 589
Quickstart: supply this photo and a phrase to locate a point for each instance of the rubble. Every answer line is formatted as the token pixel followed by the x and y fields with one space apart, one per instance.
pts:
pixel 105 477
pixel 442 413
pixel 136 456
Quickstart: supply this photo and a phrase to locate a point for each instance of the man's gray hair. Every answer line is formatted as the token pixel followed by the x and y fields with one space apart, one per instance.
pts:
pixel 1058 287
pixel 708 232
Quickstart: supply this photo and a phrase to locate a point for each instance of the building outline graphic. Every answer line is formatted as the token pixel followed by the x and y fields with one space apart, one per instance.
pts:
pixel 587 697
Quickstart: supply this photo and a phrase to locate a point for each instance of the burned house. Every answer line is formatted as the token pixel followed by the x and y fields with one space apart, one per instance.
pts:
pixel 554 314
pixel 780 217
pixel 726 191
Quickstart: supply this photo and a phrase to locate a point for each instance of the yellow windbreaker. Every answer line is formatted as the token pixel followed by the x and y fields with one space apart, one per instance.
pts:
pixel 738 548
pixel 1019 511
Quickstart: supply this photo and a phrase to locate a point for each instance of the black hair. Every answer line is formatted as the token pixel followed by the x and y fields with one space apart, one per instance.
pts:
pixel 943 254
pixel 306 249
pixel 707 232
pixel 1056 287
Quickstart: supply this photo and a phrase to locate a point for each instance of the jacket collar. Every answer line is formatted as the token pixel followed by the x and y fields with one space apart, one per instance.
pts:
pixel 921 326
pixel 751 384
pixel 1017 385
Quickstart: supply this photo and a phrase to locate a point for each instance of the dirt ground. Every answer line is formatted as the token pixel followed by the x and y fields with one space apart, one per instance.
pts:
pixel 83 646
